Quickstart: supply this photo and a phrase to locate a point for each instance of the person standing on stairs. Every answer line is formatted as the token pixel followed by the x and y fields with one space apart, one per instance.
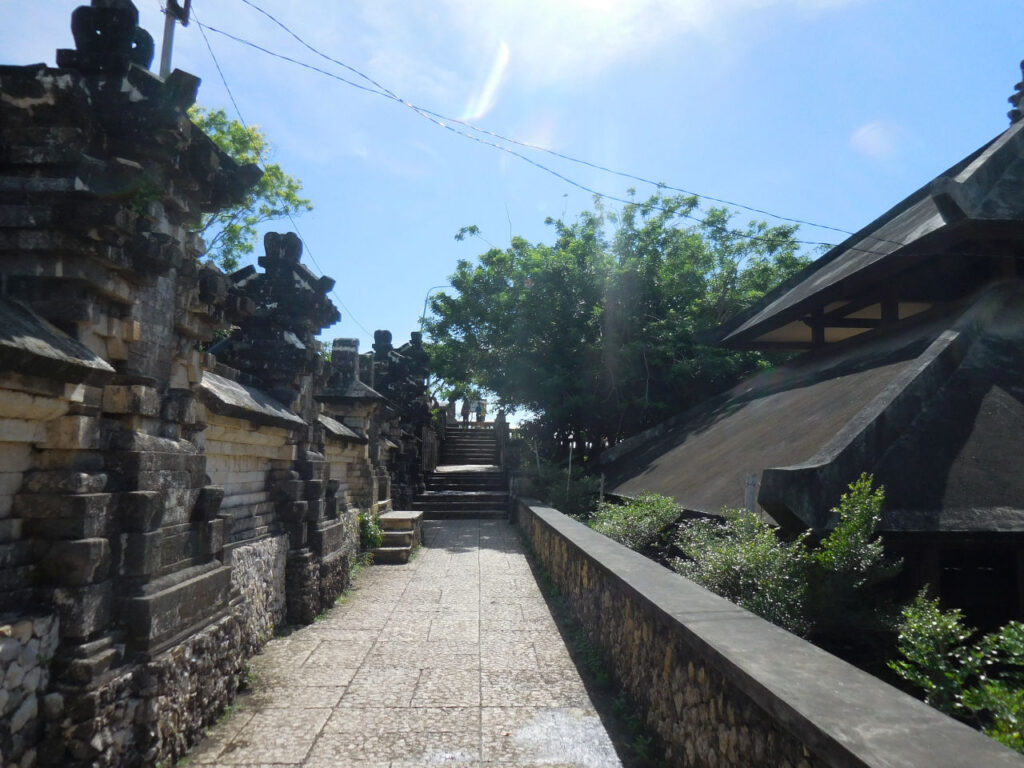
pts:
pixel 465 412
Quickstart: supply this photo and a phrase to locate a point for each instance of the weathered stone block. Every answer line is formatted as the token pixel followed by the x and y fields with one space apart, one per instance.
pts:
pixel 83 610
pixel 55 481
pixel 30 407
pixel 64 517
pixel 73 433
pixel 154 618
pixel 140 554
pixel 214 543
pixel 76 563
pixel 140 511
pixel 10 530
pixel 22 431
pixel 134 398
pixel 208 502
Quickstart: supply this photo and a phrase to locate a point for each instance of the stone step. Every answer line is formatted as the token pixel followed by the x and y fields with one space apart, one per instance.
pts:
pixel 474 514
pixel 391 555
pixel 462 495
pixel 430 507
pixel 391 537
pixel 401 519
pixel 491 487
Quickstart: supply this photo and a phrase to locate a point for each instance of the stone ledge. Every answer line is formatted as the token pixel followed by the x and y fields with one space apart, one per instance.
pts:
pixel 336 429
pixel 29 344
pixel 230 398
pixel 843 715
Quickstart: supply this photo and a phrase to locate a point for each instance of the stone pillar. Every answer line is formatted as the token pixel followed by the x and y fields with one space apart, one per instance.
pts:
pixel 105 179
pixel 277 346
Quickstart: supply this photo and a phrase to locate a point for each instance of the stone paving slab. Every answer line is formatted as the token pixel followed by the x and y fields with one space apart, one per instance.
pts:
pixel 452 659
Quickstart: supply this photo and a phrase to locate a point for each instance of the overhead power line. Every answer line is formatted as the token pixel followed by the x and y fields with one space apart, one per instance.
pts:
pixel 256 148
pixel 446 123
pixel 527 145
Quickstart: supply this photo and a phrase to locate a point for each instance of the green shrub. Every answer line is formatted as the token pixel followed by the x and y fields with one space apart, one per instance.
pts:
pixel 370 534
pixel 744 561
pixel 979 682
pixel 828 592
pixel 641 524
pixel 846 603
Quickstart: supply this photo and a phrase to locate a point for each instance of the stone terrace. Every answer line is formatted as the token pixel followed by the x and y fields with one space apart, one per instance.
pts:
pixel 451 659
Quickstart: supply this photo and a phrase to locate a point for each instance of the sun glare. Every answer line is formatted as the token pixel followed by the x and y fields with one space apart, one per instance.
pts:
pixel 484 100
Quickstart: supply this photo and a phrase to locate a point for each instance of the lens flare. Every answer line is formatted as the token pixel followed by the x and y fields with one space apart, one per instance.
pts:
pixel 485 99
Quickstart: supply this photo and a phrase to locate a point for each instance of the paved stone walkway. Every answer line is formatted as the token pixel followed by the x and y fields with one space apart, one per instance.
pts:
pixel 453 659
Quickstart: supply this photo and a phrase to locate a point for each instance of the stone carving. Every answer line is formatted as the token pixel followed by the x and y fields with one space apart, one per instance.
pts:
pixel 1015 114
pixel 108 38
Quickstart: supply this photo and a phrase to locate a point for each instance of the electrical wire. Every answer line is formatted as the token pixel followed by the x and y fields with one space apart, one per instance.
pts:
pixel 259 154
pixel 597 166
pixel 447 125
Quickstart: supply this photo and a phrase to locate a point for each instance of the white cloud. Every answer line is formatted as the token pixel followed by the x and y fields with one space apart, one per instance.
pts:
pixel 878 139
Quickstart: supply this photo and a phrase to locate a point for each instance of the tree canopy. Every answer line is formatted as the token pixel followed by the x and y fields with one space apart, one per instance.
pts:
pixel 600 333
pixel 230 234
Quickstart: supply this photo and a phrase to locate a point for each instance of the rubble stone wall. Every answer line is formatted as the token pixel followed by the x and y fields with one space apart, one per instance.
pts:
pixel 723 687
pixel 27 645
pixel 151 712
pixel 257 576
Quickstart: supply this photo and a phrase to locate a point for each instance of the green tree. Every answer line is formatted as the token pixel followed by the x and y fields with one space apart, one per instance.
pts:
pixel 600 334
pixel 230 234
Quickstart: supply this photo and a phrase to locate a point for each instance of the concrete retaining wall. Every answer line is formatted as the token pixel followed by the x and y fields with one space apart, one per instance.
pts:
pixel 723 687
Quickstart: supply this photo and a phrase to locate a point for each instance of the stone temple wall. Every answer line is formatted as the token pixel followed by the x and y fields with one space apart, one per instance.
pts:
pixel 165 502
pixel 239 455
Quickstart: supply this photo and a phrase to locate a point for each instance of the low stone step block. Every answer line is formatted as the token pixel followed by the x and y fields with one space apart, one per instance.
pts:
pixel 466 514
pixel 400 519
pixel 391 555
pixel 397 538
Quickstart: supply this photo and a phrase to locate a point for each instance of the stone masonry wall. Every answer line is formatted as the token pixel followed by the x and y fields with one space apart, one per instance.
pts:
pixel 722 687
pixel 27 645
pixel 239 454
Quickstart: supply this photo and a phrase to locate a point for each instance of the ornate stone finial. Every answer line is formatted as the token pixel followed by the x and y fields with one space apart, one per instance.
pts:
pixel 382 344
pixel 108 38
pixel 1015 114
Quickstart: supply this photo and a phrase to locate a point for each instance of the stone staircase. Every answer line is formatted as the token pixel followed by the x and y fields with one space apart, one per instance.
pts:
pixel 467 482
pixel 402 533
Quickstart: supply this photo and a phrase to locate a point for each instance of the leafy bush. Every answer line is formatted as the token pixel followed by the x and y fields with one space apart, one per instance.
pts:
pixel 827 592
pixel 744 561
pixel 979 682
pixel 640 524
pixel 370 534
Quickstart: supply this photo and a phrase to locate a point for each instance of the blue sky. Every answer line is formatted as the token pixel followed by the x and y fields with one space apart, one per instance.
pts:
pixel 825 110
